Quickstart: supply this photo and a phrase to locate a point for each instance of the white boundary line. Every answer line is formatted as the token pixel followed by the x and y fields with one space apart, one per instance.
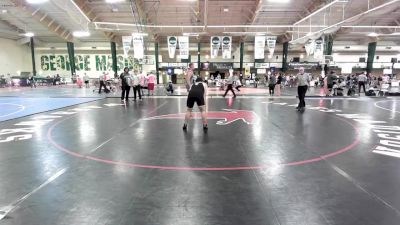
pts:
pixel 22 108
pixel 390 110
pixel 4 211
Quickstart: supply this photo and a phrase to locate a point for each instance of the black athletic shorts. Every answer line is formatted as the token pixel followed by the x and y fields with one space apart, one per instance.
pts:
pixel 193 99
pixel 330 86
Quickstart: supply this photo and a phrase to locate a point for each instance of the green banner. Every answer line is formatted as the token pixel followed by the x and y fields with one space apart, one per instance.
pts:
pixel 87 63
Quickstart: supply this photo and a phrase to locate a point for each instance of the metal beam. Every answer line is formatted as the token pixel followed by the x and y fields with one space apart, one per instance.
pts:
pixel 88 12
pixel 312 8
pixel 371 56
pixel 46 21
pixel 33 56
pixel 156 56
pixel 254 15
pixel 350 19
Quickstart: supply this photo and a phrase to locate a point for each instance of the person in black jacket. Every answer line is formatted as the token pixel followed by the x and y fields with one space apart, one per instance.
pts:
pixel 278 85
pixel 126 81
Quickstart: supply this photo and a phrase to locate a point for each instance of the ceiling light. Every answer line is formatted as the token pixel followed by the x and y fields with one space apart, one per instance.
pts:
pixel 372 34
pixel 29 34
pixel 279 1
pixel 114 1
pixel 246 32
pixel 191 34
pixel 4 11
pixel 226 10
pixel 139 34
pixel 81 34
pixel 36 1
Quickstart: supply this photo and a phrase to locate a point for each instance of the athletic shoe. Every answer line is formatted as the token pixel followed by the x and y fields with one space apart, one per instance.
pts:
pixel 184 126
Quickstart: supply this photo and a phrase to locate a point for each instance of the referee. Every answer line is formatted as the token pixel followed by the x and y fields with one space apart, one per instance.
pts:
pixel 303 81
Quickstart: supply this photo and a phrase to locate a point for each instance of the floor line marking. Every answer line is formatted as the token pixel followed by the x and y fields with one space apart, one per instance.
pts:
pixel 359 186
pixel 4 211
pixel 390 110
pixel 131 125
pixel 182 168
pixel 22 108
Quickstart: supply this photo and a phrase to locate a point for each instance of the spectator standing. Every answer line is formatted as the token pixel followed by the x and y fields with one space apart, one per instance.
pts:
pixel 229 82
pixel 86 79
pixel 362 80
pixel 303 81
pixel 151 79
pixel 136 85
pixel 126 82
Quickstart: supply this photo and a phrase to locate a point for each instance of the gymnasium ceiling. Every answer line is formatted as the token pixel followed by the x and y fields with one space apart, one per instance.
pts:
pixel 353 21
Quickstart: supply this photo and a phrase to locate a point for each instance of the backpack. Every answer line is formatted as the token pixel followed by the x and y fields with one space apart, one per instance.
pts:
pixel 128 80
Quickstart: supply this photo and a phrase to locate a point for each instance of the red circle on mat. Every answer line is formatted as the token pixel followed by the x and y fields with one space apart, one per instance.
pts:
pixel 178 168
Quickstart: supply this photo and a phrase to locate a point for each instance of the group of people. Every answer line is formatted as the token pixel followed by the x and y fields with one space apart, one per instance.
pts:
pixel 274 82
pixel 83 80
pixel 334 84
pixel 197 93
pixel 137 81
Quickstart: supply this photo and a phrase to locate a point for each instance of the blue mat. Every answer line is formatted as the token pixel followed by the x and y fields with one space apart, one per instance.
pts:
pixel 12 108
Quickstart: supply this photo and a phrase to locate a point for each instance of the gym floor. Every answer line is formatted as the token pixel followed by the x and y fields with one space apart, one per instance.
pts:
pixel 261 162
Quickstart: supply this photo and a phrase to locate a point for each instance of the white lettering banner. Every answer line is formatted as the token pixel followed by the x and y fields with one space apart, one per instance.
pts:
pixel 271 43
pixel 183 47
pixel 138 49
pixel 126 44
pixel 215 45
pixel 310 47
pixel 172 46
pixel 319 49
pixel 259 47
pixel 226 47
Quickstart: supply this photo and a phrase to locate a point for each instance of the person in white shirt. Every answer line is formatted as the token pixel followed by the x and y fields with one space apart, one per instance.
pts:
pixel 229 82
pixel 362 80
pixel 189 76
pixel 303 81
pixel 102 84
pixel 86 79
pixel 136 85
pixel 238 84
